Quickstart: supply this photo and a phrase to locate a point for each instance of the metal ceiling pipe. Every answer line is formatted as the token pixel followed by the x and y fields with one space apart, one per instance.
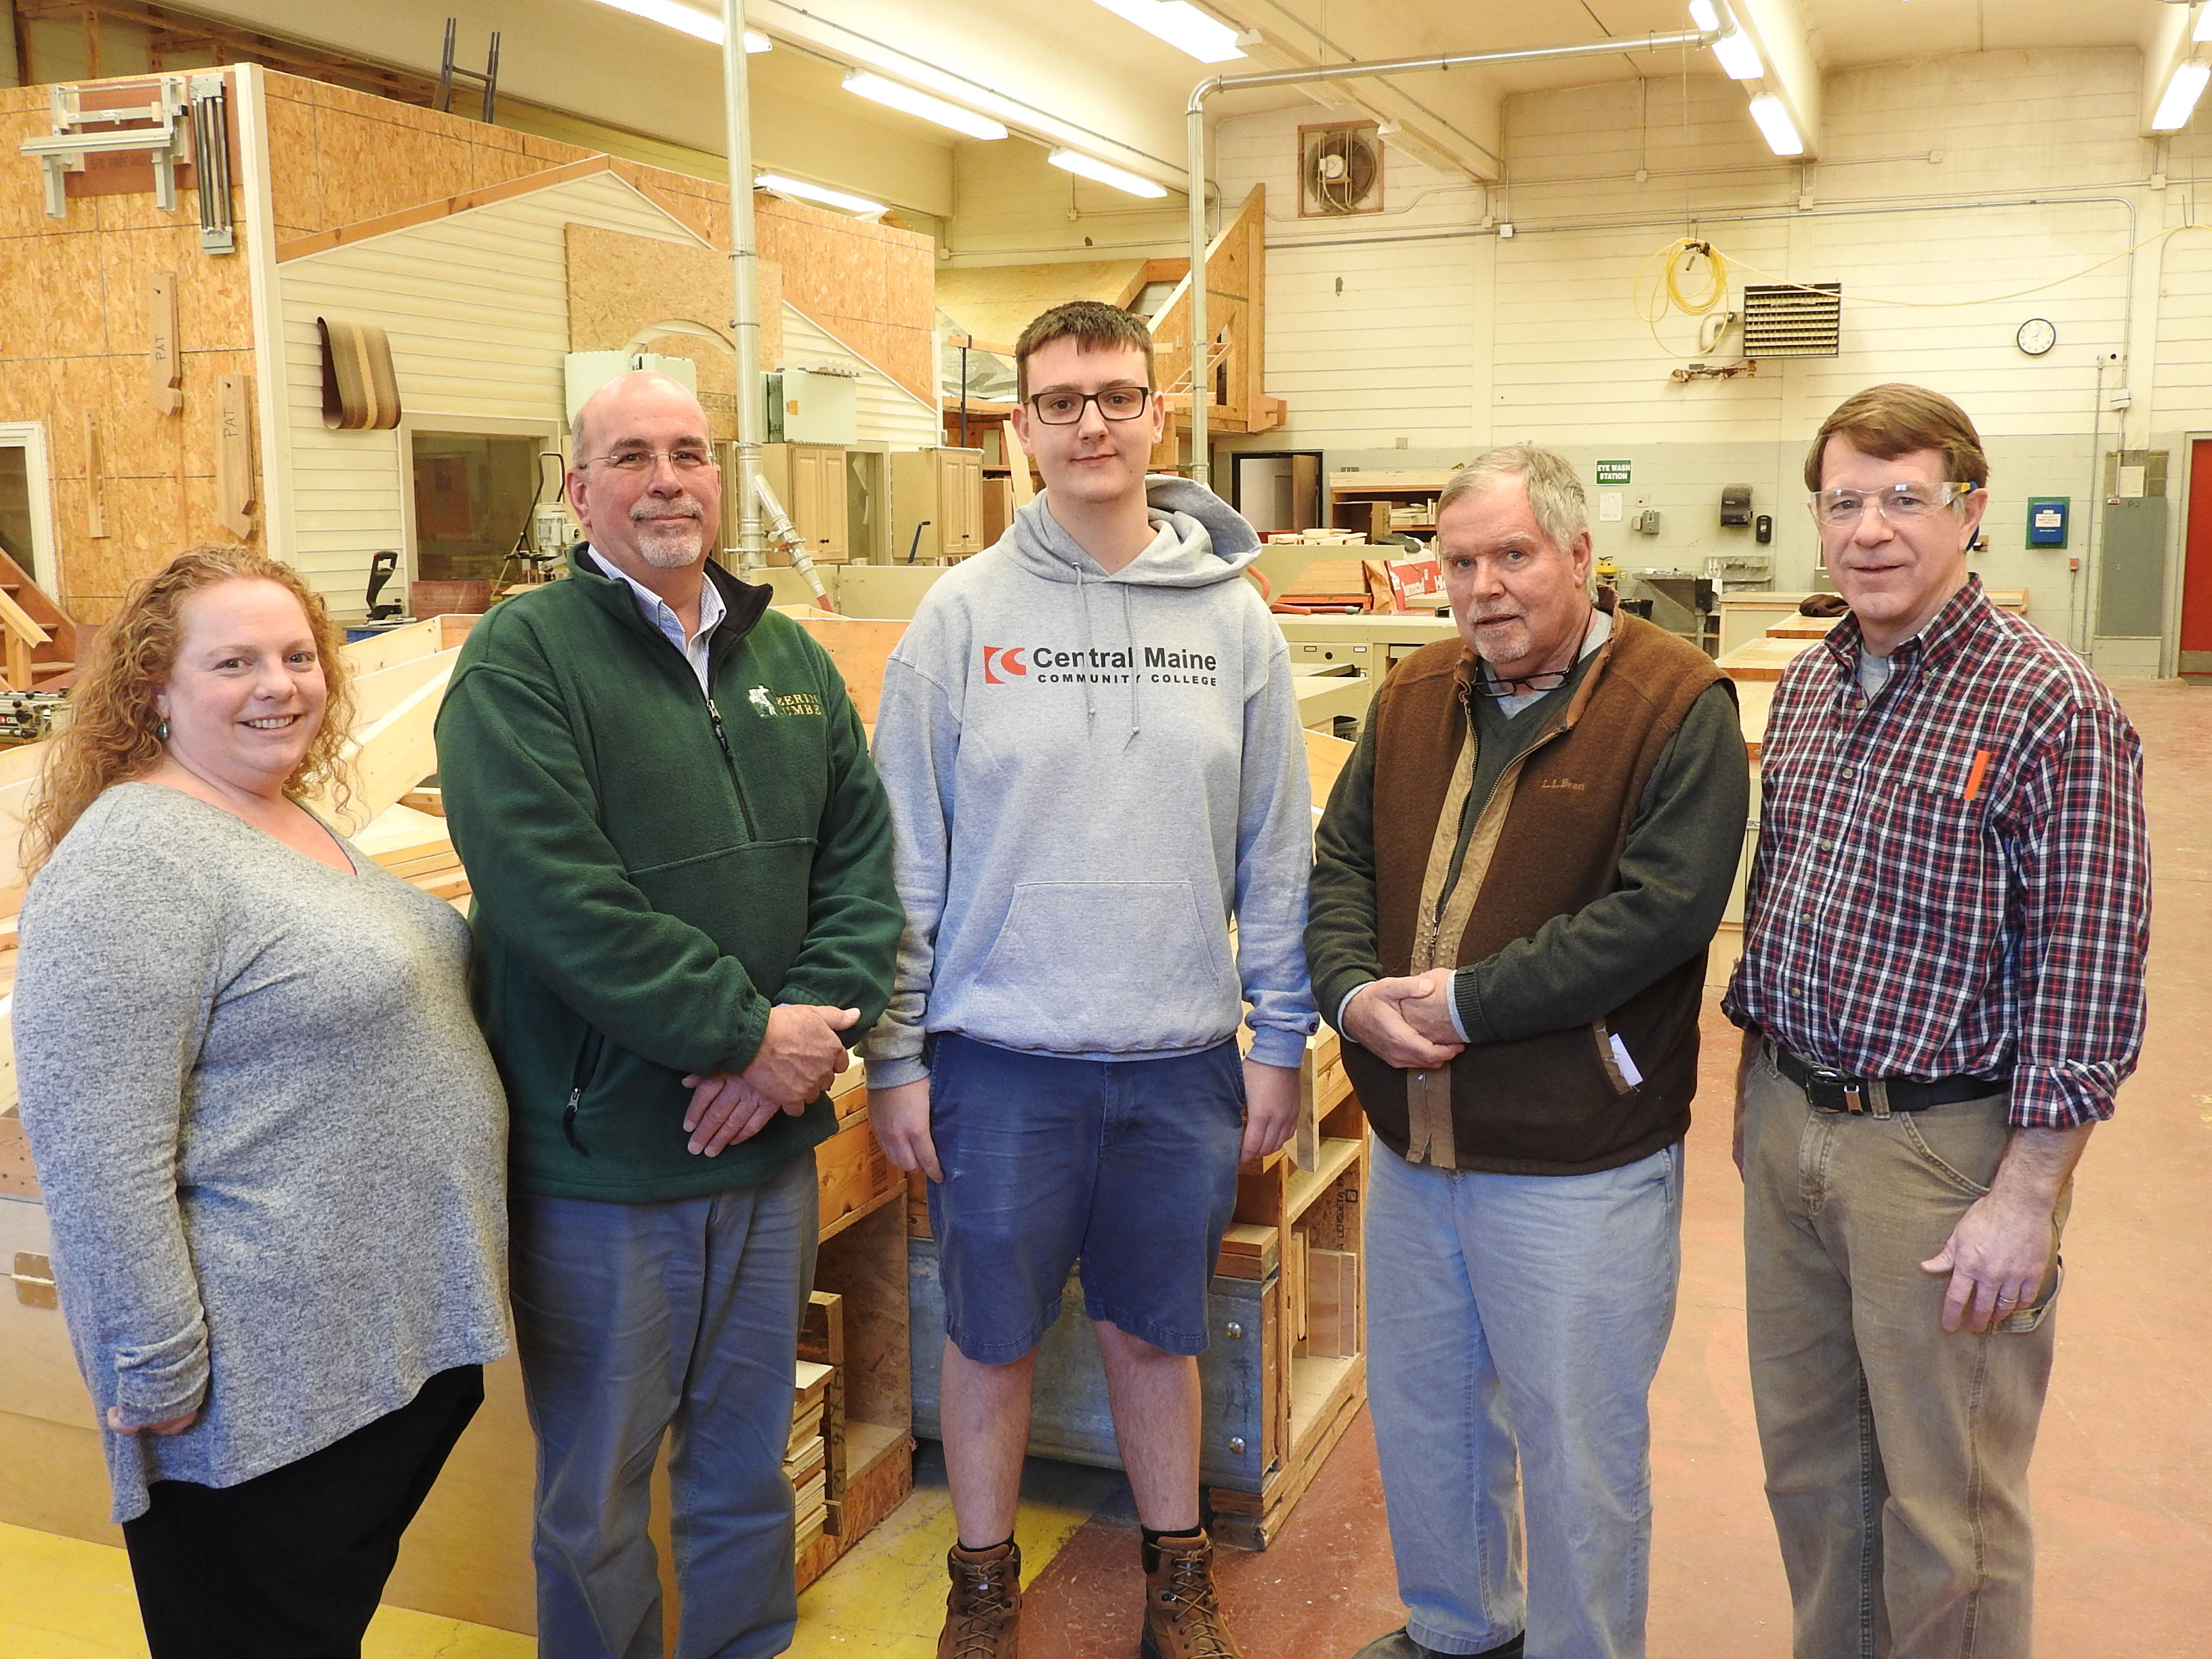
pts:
pixel 744 283
pixel 1201 377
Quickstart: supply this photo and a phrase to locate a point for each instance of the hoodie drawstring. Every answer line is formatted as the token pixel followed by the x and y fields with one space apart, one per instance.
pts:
pixel 1129 633
pixel 1090 697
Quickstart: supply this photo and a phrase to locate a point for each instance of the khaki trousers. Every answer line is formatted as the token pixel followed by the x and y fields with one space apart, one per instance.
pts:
pixel 1896 1452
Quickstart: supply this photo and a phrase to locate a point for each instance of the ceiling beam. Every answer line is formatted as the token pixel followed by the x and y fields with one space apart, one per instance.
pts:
pixel 2165 47
pixel 1779 29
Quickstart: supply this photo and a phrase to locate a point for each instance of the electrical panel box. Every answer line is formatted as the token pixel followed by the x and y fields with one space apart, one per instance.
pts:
pixel 586 371
pixel 2046 519
pixel 819 408
pixel 1735 504
pixel 1645 523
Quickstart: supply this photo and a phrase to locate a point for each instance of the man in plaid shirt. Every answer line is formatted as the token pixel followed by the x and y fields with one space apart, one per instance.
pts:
pixel 1942 989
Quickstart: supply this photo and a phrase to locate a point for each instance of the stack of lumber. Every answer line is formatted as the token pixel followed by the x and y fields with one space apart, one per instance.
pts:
pixel 1326 585
pixel 415 846
pixel 806 1464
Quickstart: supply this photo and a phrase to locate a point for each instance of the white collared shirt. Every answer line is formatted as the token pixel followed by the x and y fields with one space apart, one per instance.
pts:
pixel 655 610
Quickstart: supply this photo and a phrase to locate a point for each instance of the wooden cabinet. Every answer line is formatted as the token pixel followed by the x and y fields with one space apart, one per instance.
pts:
pixel 936 505
pixel 809 479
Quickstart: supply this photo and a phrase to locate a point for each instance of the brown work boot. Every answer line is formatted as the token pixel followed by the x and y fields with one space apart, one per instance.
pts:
pixel 1182 1618
pixel 983 1608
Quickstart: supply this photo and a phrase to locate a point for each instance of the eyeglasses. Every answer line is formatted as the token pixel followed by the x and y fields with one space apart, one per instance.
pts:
pixel 1115 403
pixel 685 458
pixel 1487 687
pixel 1840 510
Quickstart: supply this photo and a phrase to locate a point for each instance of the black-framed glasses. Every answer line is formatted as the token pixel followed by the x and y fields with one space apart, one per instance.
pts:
pixel 684 457
pixel 1115 403
pixel 1489 687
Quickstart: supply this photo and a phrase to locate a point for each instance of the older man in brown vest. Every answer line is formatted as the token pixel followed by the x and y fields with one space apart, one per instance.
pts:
pixel 1516 882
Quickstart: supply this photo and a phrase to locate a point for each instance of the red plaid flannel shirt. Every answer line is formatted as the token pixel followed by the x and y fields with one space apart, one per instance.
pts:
pixel 1916 909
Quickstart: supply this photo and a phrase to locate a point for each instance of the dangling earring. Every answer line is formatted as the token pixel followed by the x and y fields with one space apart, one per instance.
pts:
pixel 162 732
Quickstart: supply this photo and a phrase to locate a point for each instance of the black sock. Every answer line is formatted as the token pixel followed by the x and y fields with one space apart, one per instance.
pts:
pixel 1150 1551
pixel 987 1548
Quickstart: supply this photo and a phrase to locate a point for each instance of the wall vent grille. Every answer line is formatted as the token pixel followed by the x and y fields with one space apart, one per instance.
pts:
pixel 1793 320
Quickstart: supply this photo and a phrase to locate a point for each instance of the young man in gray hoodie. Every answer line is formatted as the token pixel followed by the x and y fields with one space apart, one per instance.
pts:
pixel 1091 746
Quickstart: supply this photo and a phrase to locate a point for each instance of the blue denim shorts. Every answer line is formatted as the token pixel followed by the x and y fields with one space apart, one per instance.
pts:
pixel 1129 1166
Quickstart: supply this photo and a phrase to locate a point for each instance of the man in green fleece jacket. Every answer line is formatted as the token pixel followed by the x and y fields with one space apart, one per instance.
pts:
pixel 684 913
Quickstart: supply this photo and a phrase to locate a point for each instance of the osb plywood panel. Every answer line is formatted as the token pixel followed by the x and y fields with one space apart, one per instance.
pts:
pixel 74 340
pixel 347 157
pixel 873 286
pixel 619 284
pixel 994 303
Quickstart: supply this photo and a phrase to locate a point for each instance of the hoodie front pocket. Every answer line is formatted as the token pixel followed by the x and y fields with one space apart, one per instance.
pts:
pixel 1111 967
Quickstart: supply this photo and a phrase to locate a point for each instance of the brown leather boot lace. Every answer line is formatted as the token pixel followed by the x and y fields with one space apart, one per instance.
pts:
pixel 985 1606
pixel 1188 1599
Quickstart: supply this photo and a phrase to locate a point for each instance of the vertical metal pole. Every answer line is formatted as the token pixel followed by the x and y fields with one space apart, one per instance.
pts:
pixel 1202 378
pixel 744 268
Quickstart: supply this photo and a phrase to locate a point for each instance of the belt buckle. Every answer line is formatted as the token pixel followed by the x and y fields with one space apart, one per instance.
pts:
pixel 1846 1087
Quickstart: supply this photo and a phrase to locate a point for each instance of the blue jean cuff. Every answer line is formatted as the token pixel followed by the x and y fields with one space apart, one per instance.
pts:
pixel 1003 1354
pixel 1145 1330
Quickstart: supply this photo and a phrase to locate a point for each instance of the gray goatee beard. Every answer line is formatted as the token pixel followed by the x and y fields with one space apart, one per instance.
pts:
pixel 671 547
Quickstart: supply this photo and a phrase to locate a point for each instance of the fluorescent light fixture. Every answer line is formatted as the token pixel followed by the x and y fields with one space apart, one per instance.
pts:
pixel 1774 121
pixel 1739 58
pixel 822 193
pixel 2203 29
pixel 1074 160
pixel 675 14
pixel 1703 14
pixel 2181 94
pixel 1181 25
pixel 945 112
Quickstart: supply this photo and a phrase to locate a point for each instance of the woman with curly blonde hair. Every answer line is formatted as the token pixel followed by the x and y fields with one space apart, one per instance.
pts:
pixel 268 1135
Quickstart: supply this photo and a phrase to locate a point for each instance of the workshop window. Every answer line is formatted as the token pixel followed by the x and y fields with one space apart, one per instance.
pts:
pixel 473 497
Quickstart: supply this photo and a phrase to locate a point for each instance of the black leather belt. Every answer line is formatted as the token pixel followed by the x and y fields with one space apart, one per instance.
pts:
pixel 1827 1090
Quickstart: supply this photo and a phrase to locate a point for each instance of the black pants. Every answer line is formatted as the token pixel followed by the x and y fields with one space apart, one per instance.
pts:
pixel 290 1564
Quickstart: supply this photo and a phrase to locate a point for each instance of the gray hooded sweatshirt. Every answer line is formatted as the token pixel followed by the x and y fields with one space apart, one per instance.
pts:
pixel 1089 775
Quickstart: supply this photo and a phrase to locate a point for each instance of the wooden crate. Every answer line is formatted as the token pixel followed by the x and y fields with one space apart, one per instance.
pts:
pixel 1275 1403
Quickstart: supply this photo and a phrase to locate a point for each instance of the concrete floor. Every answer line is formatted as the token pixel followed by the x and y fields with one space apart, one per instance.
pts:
pixel 2123 1478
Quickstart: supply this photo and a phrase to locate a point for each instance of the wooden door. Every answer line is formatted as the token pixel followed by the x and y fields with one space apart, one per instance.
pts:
pixel 2196 569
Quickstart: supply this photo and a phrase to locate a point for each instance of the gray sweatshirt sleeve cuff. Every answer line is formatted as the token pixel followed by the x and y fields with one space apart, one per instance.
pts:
pixel 1274 1046
pixel 892 1071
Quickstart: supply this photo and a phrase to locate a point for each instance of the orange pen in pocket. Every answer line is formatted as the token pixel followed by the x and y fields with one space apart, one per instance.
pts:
pixel 1974 775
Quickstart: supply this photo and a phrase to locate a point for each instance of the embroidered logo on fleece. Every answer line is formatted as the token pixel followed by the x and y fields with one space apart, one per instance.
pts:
pixel 767 703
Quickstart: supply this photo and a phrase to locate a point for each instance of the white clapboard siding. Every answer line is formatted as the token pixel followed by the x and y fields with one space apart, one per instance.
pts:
pixel 476 307
pixel 887 412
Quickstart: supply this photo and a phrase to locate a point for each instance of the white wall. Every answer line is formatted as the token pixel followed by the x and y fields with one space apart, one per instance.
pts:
pixel 1446 337
pixel 476 307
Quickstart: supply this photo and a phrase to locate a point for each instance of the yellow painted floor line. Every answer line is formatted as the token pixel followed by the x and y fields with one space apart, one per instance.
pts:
pixel 62 1598
pixel 886 1599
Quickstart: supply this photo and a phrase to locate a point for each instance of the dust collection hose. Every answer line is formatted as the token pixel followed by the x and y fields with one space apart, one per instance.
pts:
pixel 782 532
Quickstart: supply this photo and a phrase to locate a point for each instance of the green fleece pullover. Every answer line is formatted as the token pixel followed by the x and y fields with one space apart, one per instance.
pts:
pixel 654 869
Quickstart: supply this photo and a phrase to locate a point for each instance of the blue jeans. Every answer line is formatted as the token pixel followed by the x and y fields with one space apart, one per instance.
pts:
pixel 633 1321
pixel 1520 1318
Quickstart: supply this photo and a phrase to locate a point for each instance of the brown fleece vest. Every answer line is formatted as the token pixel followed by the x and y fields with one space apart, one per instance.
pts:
pixel 1548 844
